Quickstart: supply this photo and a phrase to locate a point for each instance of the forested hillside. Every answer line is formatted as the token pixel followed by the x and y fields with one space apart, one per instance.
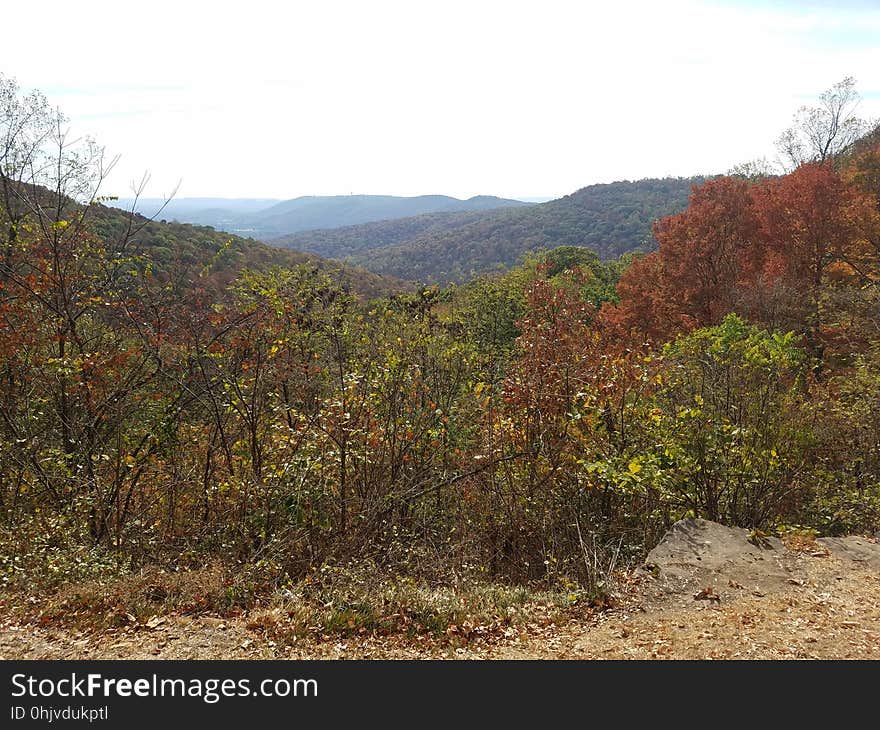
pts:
pixel 315 212
pixel 218 257
pixel 270 218
pixel 609 219
pixel 224 214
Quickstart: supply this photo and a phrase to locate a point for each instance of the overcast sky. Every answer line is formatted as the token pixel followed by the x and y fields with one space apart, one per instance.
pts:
pixel 280 99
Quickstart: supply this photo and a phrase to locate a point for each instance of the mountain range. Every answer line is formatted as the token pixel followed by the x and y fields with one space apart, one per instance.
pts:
pixel 265 218
pixel 437 238
pixel 210 259
pixel 611 219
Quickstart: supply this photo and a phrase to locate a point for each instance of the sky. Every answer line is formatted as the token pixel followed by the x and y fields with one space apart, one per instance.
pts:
pixel 282 99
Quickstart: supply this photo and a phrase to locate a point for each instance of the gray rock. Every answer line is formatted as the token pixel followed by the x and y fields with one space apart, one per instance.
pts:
pixel 700 553
pixel 860 550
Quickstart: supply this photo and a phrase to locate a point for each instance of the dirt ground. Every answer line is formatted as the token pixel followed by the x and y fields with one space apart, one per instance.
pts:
pixel 708 594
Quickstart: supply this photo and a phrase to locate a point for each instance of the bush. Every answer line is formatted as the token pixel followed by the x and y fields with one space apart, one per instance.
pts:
pixel 731 444
pixel 844 474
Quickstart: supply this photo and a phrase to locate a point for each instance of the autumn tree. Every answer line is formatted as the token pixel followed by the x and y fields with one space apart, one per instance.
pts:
pixel 704 254
pixel 821 132
pixel 812 238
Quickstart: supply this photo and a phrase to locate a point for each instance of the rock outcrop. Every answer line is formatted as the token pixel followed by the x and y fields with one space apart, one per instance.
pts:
pixel 697 553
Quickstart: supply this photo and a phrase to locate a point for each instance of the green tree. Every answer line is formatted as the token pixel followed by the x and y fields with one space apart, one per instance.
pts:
pixel 731 444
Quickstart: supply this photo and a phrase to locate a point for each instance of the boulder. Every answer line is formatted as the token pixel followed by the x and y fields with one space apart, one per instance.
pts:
pixel 862 551
pixel 700 553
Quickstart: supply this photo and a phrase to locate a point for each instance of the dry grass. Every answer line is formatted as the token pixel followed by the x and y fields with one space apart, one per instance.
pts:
pixel 132 599
pixel 804 541
pixel 338 603
pixel 351 605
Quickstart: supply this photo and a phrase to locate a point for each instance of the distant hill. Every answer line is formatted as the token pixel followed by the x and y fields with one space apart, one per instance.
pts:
pixel 442 247
pixel 267 218
pixel 220 213
pixel 180 247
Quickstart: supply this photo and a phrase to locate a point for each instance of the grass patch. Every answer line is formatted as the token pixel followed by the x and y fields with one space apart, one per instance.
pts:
pixel 135 598
pixel 333 602
pixel 357 602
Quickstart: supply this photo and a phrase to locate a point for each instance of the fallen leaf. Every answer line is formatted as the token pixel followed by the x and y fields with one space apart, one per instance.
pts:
pixel 707 594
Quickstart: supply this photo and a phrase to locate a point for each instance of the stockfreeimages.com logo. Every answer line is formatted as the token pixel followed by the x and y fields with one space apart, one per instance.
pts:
pixel 209 690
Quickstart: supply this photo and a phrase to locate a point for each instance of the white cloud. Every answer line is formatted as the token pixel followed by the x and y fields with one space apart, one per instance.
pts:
pixel 509 98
